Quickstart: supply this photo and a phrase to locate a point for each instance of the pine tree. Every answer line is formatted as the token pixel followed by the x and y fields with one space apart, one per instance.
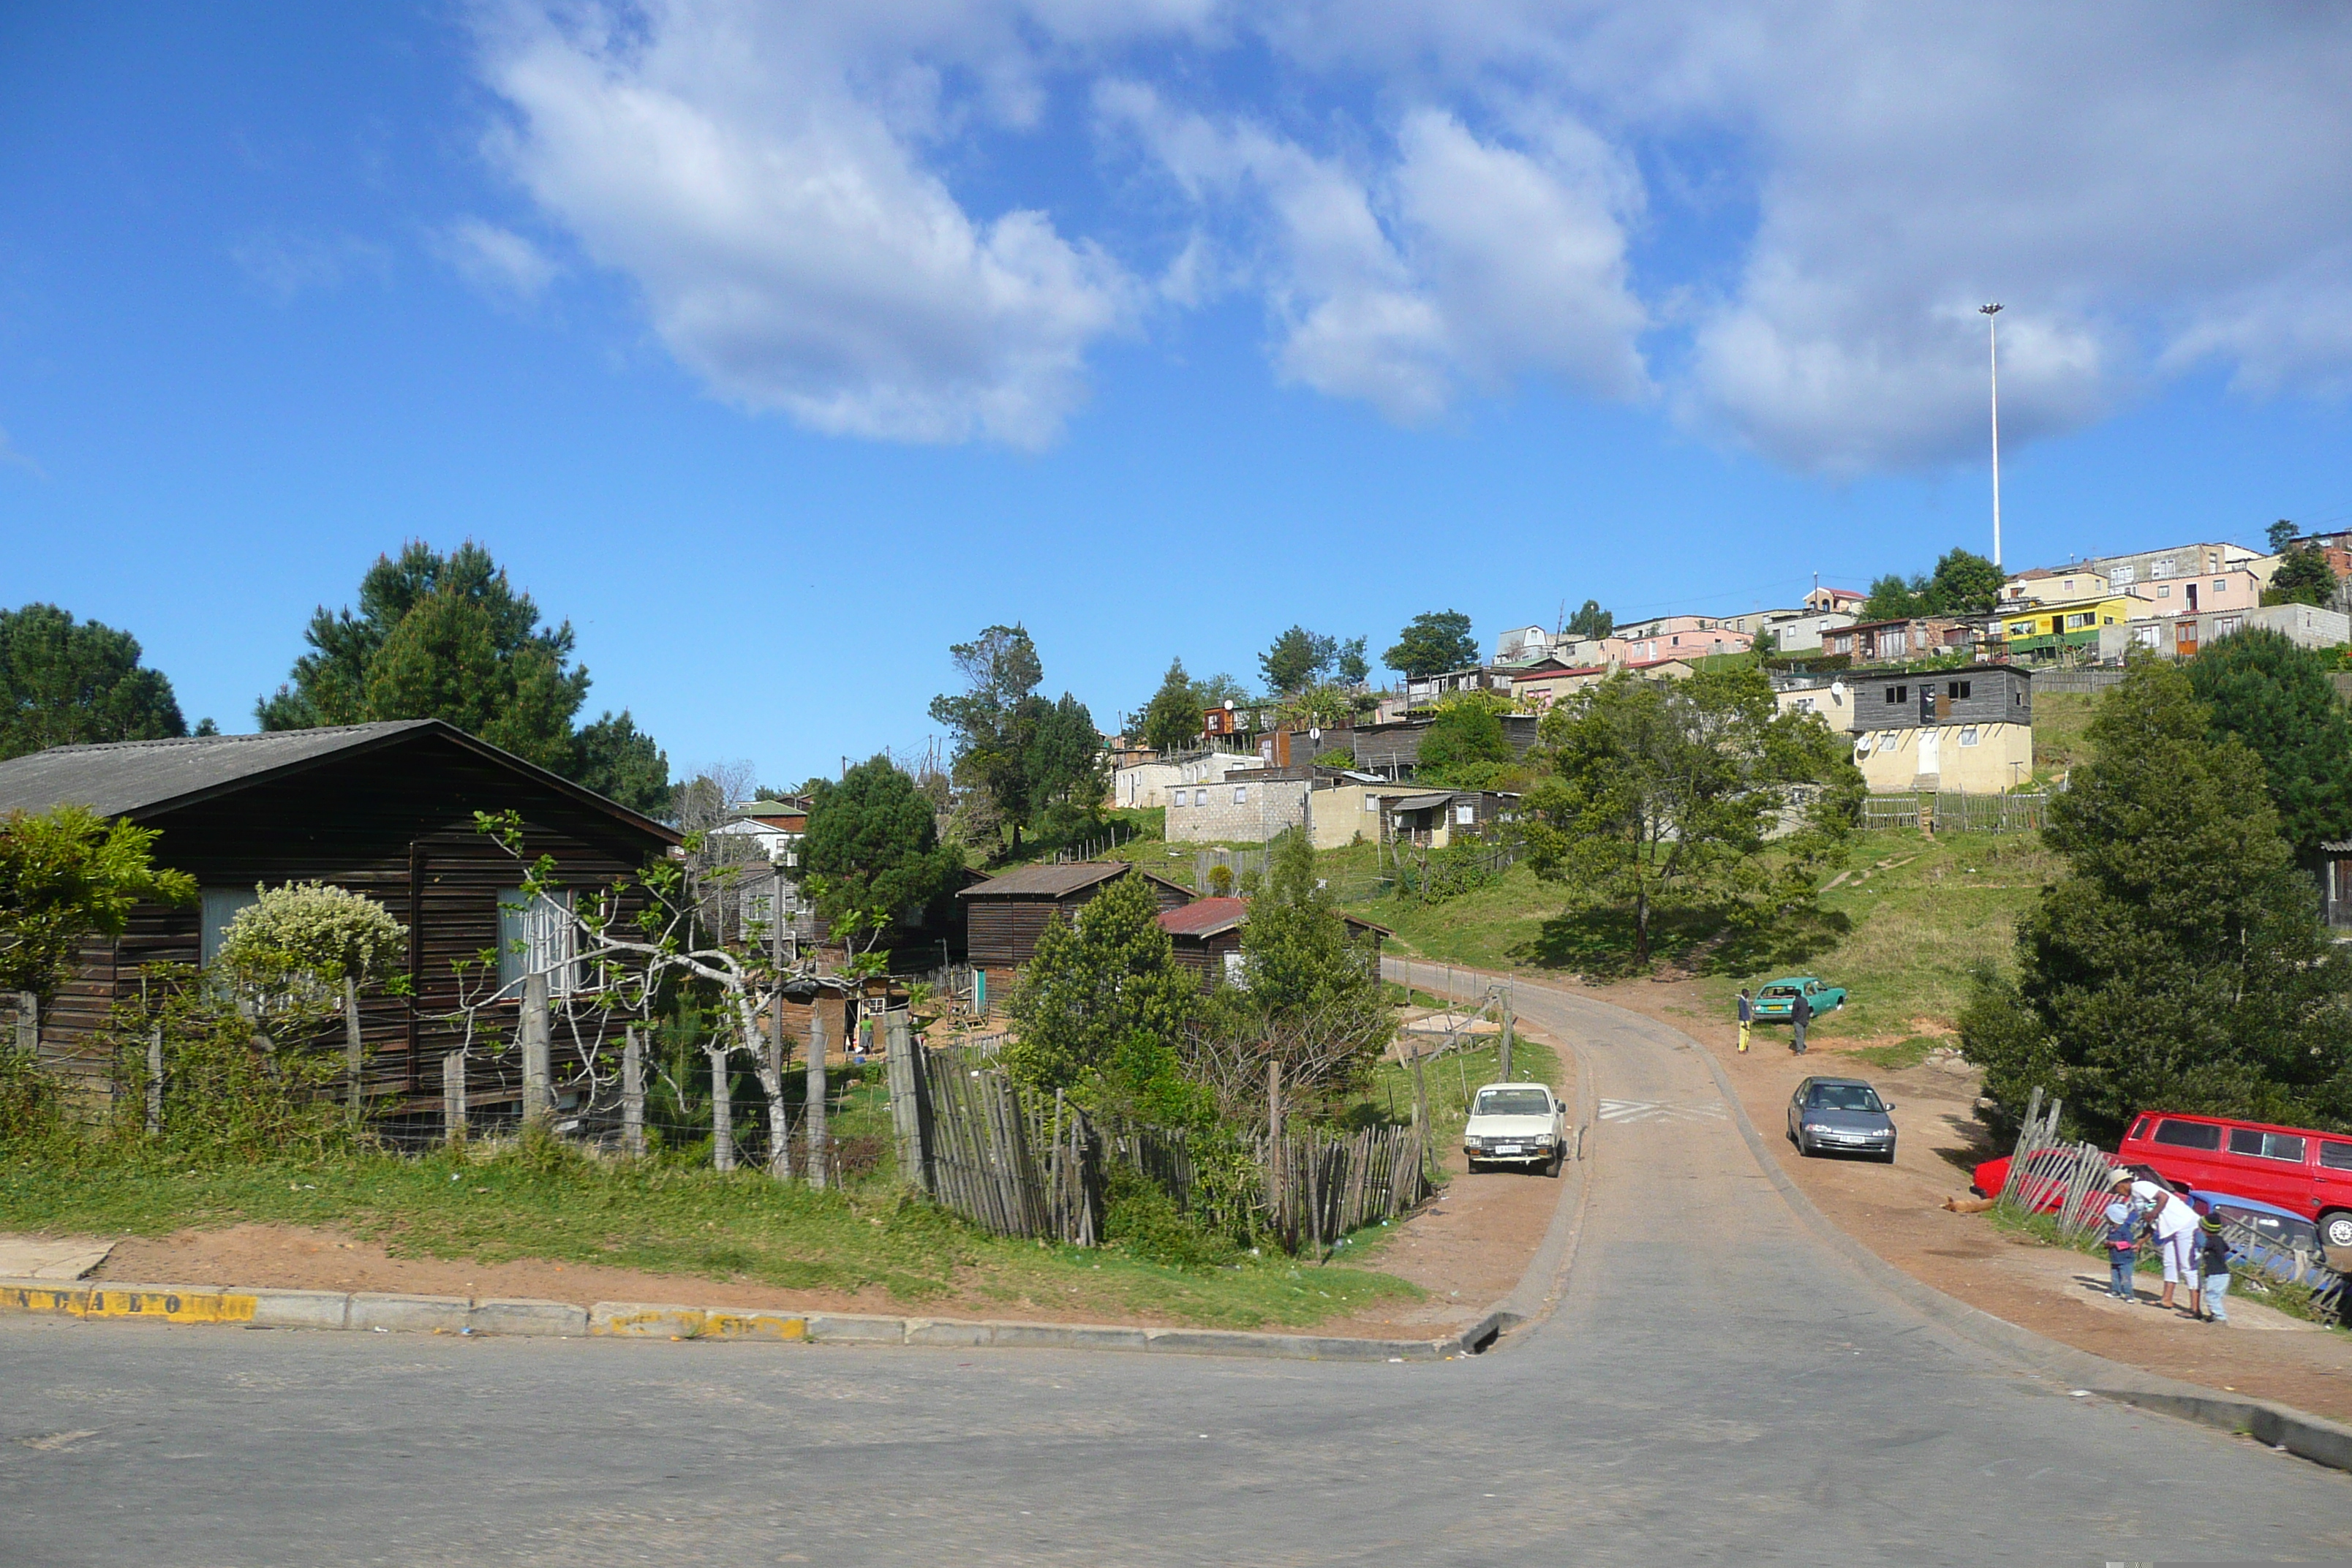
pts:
pixel 2277 699
pixel 1172 719
pixel 66 683
pixel 1105 987
pixel 2181 961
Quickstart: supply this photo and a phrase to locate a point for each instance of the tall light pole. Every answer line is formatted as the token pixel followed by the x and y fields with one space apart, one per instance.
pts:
pixel 1992 339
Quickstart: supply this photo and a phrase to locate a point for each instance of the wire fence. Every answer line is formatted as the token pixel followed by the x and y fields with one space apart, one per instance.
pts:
pixel 1956 813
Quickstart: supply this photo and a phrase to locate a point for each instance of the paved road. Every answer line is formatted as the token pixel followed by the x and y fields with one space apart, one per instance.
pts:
pixel 1716 1385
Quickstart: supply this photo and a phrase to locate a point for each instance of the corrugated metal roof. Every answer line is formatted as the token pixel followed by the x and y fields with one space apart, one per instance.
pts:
pixel 1047 881
pixel 1421 801
pixel 1204 917
pixel 138 775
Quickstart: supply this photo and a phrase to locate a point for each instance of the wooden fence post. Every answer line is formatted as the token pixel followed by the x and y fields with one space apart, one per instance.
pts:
pixel 813 1113
pixel 29 1022
pixel 352 1041
pixel 906 1107
pixel 1509 1020
pixel 780 1115
pixel 538 1101
pixel 155 1081
pixel 1274 1162
pixel 722 1110
pixel 453 1096
pixel 633 1094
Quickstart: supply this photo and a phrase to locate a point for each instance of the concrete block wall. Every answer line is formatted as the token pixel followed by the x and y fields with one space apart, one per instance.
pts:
pixel 1239 811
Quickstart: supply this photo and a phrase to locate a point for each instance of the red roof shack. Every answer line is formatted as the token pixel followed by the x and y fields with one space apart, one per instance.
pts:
pixel 1207 936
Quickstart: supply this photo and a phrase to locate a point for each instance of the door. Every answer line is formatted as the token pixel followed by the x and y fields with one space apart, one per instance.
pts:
pixel 1931 750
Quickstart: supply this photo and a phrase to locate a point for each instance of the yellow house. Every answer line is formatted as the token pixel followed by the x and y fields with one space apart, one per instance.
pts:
pixel 2042 629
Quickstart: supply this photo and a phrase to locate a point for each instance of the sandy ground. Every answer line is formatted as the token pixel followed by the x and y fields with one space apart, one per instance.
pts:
pixel 1467 1249
pixel 1895 1211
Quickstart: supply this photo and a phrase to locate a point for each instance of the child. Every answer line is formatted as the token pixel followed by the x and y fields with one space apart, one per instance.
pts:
pixel 2213 1264
pixel 1747 1018
pixel 2123 1250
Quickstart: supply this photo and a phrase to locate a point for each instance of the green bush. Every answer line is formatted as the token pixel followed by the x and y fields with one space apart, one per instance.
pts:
pixel 31 1111
pixel 1145 1221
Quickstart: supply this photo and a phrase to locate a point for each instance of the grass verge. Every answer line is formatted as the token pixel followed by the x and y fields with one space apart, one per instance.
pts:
pixel 693 1224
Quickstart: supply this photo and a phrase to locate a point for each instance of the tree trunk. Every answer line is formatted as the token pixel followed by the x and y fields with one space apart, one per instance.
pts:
pixel 772 1084
pixel 813 1113
pixel 1642 926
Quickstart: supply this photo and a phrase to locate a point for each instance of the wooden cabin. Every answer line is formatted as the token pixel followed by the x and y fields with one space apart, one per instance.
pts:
pixel 1005 915
pixel 1207 937
pixel 385 810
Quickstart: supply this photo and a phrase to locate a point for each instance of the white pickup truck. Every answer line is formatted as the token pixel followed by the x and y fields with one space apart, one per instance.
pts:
pixel 1516 1124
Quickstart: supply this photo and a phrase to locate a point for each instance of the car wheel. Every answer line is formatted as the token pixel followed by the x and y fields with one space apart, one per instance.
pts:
pixel 2336 1228
pixel 1475 1167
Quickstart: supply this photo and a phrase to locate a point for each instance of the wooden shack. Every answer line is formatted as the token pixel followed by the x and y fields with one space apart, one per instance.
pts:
pixel 1003 915
pixel 1206 935
pixel 385 810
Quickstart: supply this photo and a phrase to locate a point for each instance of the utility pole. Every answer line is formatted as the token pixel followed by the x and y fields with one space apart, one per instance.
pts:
pixel 1993 348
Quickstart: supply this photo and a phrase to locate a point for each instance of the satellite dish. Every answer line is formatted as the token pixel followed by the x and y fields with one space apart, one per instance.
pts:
pixel 1229 704
pixel 1316 734
pixel 1837 692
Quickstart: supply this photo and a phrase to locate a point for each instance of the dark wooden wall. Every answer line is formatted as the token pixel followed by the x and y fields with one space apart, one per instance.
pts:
pixel 397 828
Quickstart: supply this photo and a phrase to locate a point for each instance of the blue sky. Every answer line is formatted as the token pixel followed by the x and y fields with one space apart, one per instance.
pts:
pixel 777 348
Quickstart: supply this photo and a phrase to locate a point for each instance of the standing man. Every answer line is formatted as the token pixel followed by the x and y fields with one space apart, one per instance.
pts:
pixel 1747 1019
pixel 1801 1012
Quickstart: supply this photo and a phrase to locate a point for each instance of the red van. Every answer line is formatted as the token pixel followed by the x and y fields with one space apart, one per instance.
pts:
pixel 2294 1167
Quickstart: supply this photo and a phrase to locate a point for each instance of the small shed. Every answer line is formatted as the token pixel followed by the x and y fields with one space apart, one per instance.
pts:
pixel 1434 820
pixel 1207 937
pixel 1005 915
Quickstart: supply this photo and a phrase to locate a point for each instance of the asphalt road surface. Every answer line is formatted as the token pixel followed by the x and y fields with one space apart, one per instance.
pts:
pixel 1714 1386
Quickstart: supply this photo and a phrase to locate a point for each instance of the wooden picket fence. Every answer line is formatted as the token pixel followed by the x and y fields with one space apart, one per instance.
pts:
pixel 1040 1170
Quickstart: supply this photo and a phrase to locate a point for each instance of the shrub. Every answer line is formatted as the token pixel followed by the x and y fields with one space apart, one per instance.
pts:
pixel 231 1091
pixel 1143 1219
pixel 311 930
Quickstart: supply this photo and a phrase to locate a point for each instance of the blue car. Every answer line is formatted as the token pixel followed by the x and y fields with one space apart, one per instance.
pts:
pixel 2281 1234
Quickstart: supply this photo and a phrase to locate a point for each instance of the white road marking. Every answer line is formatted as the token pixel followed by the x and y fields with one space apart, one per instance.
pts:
pixel 1658 1111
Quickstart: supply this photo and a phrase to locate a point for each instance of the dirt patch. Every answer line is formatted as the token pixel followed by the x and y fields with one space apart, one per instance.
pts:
pixel 1897 1212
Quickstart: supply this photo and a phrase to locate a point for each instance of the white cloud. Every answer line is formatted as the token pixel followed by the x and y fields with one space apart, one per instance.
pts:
pixel 756 171
pixel 1458 262
pixel 2145 189
pixel 1780 216
pixel 496 260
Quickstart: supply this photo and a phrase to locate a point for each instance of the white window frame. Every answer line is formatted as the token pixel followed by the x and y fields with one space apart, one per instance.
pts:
pixel 1466 817
pixel 1241 795
pixel 546 939
pixel 1969 736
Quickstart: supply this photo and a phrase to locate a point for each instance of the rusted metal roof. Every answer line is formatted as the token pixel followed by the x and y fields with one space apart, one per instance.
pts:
pixel 1205 917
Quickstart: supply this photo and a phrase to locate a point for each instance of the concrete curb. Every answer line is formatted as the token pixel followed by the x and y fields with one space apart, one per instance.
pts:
pixel 372 1311
pixel 2313 1438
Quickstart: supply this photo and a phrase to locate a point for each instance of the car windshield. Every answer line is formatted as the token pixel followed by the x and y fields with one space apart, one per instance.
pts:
pixel 1514 1102
pixel 1844 1096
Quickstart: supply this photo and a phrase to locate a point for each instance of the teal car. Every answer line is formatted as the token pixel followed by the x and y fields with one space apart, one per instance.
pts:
pixel 1779 998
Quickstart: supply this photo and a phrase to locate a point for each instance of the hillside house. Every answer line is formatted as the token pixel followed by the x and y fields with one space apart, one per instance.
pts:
pixel 2041 633
pixel 1005 915
pixel 1435 818
pixel 1962 731
pixel 1391 751
pixel 384 810
pixel 1206 935
pixel 2234 588
pixel 2053 584
pixel 2126 571
pixel 2179 637
pixel 1885 642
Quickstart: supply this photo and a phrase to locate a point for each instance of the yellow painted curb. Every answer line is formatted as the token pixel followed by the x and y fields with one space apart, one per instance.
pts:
pixel 694 1323
pixel 166 1306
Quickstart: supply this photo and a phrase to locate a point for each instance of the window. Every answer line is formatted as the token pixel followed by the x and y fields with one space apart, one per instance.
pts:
pixel 1955 688
pixel 2164 590
pixel 1199 798
pixel 536 938
pixel 2143 637
pixel 2265 1145
pixel 2080 619
pixel 2021 629
pixel 2336 1156
pixel 1372 803
pixel 1236 971
pixel 2227 624
pixel 221 905
pixel 1969 736
pixel 2221 584
pixel 1465 816
pixel 1891 643
pixel 1241 795
pixel 1897 695
pixel 2189 1134
pixel 1887 742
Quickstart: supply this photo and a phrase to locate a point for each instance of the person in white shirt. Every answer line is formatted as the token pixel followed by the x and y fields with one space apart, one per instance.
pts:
pixel 2175 1223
